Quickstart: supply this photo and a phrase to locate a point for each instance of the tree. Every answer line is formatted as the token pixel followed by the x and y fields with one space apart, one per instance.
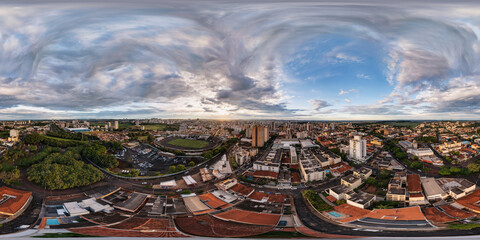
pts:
pixel 172 169
pixel 191 163
pixel 417 165
pixel 208 155
pixel 444 171
pixel 33 148
pixel 371 181
pixel 181 167
pixel 455 170
pixel 473 167
pixel 384 173
pixel 62 171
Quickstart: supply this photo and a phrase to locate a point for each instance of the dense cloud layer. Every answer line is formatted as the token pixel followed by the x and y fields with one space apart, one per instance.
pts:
pixel 197 58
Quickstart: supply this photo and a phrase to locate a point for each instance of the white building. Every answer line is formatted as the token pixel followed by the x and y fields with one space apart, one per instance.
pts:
pixel 421 152
pixel 310 168
pixel 293 155
pixel 358 148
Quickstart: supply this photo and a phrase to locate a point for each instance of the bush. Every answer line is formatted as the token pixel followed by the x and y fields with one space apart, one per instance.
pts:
pixel 316 201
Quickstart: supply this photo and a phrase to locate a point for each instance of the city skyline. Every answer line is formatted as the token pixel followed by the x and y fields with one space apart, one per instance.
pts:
pixel 309 60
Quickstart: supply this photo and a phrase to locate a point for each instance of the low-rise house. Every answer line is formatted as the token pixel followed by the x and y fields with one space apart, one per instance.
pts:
pixel 396 194
pixel 351 181
pixel 363 173
pixel 361 200
pixel 340 192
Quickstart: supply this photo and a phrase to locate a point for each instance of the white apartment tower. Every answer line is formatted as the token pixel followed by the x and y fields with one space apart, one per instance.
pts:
pixel 358 148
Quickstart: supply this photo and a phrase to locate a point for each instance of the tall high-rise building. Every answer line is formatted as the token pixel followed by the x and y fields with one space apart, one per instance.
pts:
pixel 265 134
pixel 116 125
pixel 258 136
pixel 358 148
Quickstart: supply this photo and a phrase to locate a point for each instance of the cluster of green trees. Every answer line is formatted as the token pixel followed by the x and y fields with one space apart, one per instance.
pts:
pixel 316 201
pixel 114 145
pixel 62 171
pixel 4 134
pixel 178 168
pixel 402 156
pixel 382 180
pixel 447 171
pixel 35 138
pixel 222 149
pixel 14 154
pixel 38 157
pixel 9 174
pixel 98 154
pixel 426 139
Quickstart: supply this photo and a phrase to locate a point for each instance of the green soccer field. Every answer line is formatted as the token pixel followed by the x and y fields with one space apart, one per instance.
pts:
pixel 188 143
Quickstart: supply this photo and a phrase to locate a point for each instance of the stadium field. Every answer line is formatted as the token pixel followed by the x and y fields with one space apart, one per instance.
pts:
pixel 188 143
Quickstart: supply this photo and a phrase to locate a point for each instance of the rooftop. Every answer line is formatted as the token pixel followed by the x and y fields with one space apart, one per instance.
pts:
pixel 414 183
pixel 12 200
pixel 351 178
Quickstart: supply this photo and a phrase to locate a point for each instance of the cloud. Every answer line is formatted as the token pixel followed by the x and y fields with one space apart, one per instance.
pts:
pixel 319 104
pixel 347 100
pixel 200 57
pixel 343 92
pixel 363 76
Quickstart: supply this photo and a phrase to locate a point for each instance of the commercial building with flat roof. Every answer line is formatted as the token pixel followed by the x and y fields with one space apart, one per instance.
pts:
pixel 351 181
pixel 433 191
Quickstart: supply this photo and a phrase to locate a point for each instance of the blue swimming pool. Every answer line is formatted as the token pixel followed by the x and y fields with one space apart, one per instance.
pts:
pixel 53 221
pixel 335 214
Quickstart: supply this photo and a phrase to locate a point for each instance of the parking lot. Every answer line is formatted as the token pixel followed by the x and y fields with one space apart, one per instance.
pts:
pixel 150 160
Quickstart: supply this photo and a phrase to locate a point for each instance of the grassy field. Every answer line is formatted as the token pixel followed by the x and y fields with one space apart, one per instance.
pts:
pixel 158 127
pixel 467 226
pixel 188 143
pixel 62 139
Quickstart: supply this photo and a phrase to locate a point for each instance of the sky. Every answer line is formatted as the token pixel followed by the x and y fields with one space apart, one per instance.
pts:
pixel 301 60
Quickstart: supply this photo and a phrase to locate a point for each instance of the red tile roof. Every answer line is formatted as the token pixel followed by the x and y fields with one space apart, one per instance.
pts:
pixel 408 213
pixel 295 177
pixel 276 198
pixel 265 174
pixel 414 183
pixel 436 216
pixel 209 226
pixel 110 232
pixel 248 217
pixel 211 200
pixel 470 201
pixel 242 189
pixel 13 205
pixel 258 196
pixel 455 212
pixel 331 198
pixel 349 210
